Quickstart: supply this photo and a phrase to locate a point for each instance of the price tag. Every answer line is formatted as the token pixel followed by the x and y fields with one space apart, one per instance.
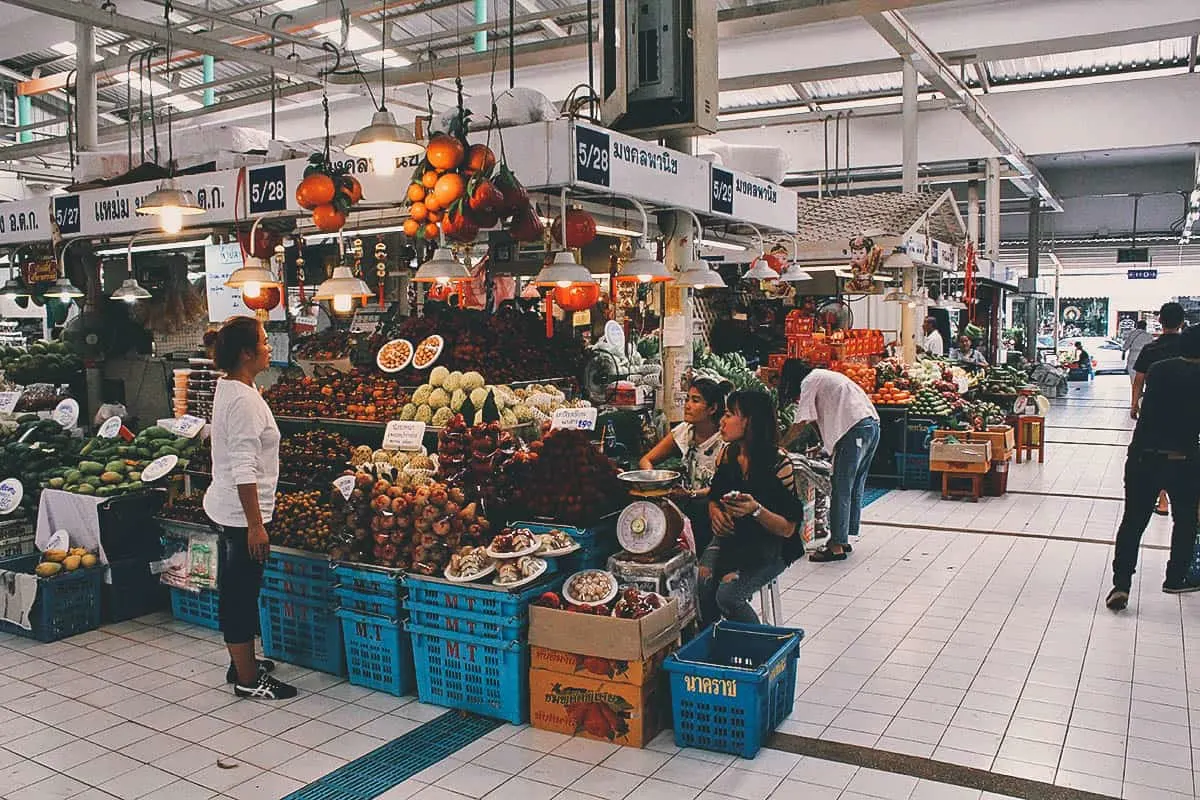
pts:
pixel 574 419
pixel 66 214
pixel 8 401
pixel 110 429
pixel 593 156
pixel 345 485
pixel 268 189
pixel 158 468
pixel 188 426
pixel 66 413
pixel 403 435
pixel 11 492
pixel 722 191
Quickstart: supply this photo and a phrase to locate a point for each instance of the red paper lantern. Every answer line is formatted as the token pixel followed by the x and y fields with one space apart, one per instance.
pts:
pixel 581 228
pixel 577 296
pixel 268 297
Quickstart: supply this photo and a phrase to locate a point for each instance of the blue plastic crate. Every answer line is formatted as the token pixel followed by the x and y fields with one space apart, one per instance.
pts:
pixel 302 632
pixel 596 543
pixel 198 608
pixel 67 603
pixel 378 652
pixel 468 673
pixel 732 685
pixel 299 574
pixel 485 626
pixel 915 471
pixel 476 598
pixel 371 590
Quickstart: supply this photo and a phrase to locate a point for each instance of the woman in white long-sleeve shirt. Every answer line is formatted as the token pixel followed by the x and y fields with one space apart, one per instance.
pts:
pixel 241 498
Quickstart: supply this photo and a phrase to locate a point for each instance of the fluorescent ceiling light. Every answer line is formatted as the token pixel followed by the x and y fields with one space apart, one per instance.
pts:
pixel 293 5
pixel 716 245
pixel 356 38
pixel 152 248
pixel 608 230
pixel 389 55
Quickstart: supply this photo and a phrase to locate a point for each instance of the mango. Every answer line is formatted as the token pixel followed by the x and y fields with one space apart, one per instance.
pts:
pixel 55 555
pixel 111 477
pixel 87 488
pixel 47 569
pixel 71 563
pixel 91 467
pixel 88 561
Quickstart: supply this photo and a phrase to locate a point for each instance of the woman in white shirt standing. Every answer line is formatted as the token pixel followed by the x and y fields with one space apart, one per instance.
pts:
pixel 697 440
pixel 241 498
pixel 849 426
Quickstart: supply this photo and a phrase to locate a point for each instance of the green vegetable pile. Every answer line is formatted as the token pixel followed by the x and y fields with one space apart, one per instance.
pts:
pixel 109 467
pixel 43 362
pixel 32 451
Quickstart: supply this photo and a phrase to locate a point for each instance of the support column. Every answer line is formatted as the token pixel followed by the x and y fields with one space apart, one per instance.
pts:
pixel 908 315
pixel 1032 263
pixel 208 72
pixel 973 213
pixel 24 117
pixel 677 313
pixel 991 210
pixel 86 116
pixel 481 37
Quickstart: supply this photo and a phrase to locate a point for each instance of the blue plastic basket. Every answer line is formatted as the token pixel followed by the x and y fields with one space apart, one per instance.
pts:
pixel 378 652
pixel 485 626
pixel 914 470
pixel 298 574
pixel 198 608
pixel 468 673
pixel 596 543
pixel 67 603
pixel 370 590
pixel 476 598
pixel 732 685
pixel 302 632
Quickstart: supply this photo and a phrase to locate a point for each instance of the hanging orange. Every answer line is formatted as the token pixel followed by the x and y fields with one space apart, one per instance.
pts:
pixel 351 188
pixel 434 217
pixel 411 227
pixel 328 219
pixel 429 179
pixel 444 152
pixel 431 231
pixel 419 211
pixel 416 193
pixel 432 202
pixel 315 190
pixel 480 158
pixel 449 188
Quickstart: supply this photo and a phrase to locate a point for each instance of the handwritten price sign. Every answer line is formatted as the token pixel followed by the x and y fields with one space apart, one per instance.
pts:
pixel 574 419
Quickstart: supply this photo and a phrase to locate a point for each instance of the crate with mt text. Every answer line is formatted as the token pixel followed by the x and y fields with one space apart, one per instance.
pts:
pixel 298 573
pixel 488 677
pixel 197 607
pixel 301 631
pixel 378 652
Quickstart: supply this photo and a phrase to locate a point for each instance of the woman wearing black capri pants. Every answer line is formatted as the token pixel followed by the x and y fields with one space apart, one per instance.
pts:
pixel 241 498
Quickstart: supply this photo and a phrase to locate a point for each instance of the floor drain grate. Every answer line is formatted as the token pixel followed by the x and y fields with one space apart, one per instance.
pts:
pixel 398 760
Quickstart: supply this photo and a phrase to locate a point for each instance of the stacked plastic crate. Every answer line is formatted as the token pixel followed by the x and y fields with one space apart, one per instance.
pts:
pixel 378 648
pixel 297 612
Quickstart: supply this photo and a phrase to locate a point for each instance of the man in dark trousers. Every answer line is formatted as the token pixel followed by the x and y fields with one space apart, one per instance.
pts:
pixel 1164 454
pixel 1170 316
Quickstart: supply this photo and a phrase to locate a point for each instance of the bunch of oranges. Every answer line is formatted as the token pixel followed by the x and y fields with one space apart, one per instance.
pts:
pixel 328 193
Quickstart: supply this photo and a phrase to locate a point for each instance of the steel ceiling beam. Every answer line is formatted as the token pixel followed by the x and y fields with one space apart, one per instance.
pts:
pixel 154 32
pixel 771 16
pixel 896 31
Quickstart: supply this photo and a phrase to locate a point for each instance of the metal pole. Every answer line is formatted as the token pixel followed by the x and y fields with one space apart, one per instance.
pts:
pixel 908 167
pixel 481 37
pixel 1031 261
pixel 208 72
pixel 24 112
pixel 86 117
pixel 991 210
pixel 973 213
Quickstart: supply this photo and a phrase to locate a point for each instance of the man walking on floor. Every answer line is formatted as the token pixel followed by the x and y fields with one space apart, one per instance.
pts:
pixel 1170 316
pixel 1164 454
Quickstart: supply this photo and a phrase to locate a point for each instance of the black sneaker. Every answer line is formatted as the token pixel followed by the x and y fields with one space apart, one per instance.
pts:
pixel 1180 587
pixel 267 688
pixel 265 667
pixel 1117 599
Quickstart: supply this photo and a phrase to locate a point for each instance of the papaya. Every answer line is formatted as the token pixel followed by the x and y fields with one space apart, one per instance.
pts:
pixel 55 555
pixel 56 483
pixel 119 467
pixel 165 450
pixel 71 563
pixel 134 475
pixel 91 467
pixel 47 569
pixel 106 491
pixel 86 488
pixel 88 561
pixel 73 476
pixel 157 432
pixel 111 477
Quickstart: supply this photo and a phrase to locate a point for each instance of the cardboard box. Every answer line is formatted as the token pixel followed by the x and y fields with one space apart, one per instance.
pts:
pixel 960 456
pixel 604 637
pixel 1002 437
pixel 674 578
pixel 597 708
pixel 634 673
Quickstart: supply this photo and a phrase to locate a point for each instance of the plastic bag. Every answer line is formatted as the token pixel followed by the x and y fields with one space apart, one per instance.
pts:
pixel 516 106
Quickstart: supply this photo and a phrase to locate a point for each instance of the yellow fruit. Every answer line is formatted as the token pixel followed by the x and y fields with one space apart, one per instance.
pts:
pixel 72 563
pixel 47 568
pixel 78 551
pixel 55 555
pixel 88 561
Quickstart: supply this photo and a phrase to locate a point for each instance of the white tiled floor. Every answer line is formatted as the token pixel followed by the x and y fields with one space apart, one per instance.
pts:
pixel 944 636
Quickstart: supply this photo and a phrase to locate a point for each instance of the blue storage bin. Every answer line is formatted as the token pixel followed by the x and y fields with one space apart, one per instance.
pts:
pixel 300 631
pixel 367 589
pixel 198 608
pixel 914 470
pixel 476 598
pixel 732 685
pixel 299 574
pixel 378 652
pixel 468 673
pixel 67 603
pixel 486 626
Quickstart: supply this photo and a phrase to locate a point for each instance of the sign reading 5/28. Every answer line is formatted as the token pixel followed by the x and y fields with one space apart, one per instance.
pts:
pixel 268 189
pixel 592 160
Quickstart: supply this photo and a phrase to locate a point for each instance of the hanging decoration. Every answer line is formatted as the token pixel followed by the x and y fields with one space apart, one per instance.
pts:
pixel 380 267
pixel 328 190
pixel 865 259
pixel 972 267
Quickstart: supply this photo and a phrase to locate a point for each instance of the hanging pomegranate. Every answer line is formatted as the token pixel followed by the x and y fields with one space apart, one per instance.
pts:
pixel 263 244
pixel 581 228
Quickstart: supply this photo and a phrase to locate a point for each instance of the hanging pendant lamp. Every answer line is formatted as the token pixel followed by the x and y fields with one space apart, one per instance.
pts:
pixel 643 267
pixel 700 276
pixel 170 204
pixel 63 290
pixel 442 268
pixel 341 289
pixel 130 291
pixel 563 271
pixel 13 289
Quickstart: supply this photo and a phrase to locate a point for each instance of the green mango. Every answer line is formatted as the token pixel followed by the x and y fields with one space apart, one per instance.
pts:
pixel 87 488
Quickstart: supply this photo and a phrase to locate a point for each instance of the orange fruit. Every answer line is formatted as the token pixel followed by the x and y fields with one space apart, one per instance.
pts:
pixel 449 188
pixel 480 158
pixel 444 152
pixel 416 193
pixel 315 190
pixel 411 226
pixel 434 216
pixel 328 219
pixel 431 231
pixel 429 179
pixel 432 202
pixel 418 212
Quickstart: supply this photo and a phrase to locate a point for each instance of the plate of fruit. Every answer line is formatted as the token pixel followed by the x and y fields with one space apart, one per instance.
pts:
pixel 590 587
pixel 556 543
pixel 395 355
pixel 514 573
pixel 427 351
pixel 469 564
pixel 514 543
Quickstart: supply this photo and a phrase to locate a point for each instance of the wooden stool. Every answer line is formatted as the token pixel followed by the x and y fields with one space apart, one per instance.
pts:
pixel 1031 435
pixel 770 604
pixel 949 492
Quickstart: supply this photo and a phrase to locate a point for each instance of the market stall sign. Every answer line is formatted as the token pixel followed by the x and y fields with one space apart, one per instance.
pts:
pixel 933 252
pixel 344 485
pixel 620 164
pixel 66 413
pixel 113 209
pixel 43 270
pixel 574 419
pixel 188 426
pixel 220 260
pixel 158 468
pixel 8 401
pixel 25 221
pixel 403 435
pixel 1141 274
pixel 11 492
pixel 738 195
pixel 111 428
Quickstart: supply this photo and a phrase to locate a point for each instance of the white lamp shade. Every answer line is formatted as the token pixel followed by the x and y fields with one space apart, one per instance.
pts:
pixel 563 271
pixel 130 291
pixel 643 268
pixel 700 276
pixel 169 197
pixel 64 290
pixel 384 138
pixel 341 284
pixel 761 271
pixel 794 274
pixel 442 268
pixel 13 288
pixel 253 271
